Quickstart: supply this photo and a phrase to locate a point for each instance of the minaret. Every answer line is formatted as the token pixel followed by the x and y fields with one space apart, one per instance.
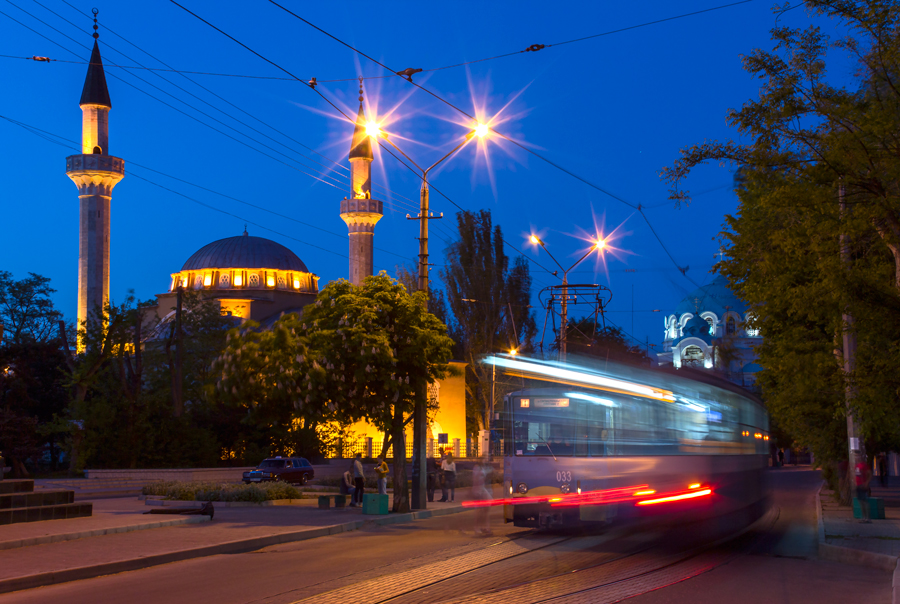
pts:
pixel 95 172
pixel 360 211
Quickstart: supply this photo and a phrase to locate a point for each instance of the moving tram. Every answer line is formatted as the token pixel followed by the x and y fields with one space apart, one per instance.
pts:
pixel 587 446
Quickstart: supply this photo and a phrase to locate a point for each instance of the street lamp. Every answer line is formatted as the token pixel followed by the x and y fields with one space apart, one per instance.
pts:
pixel 419 415
pixel 599 245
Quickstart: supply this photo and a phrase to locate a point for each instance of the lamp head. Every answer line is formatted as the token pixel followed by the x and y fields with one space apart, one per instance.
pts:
pixel 600 244
pixel 513 352
pixel 535 240
pixel 373 130
pixel 481 130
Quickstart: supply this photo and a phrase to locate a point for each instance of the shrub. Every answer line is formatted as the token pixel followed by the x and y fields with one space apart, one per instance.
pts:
pixel 211 491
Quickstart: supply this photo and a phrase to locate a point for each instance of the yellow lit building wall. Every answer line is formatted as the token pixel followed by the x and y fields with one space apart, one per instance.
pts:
pixel 450 418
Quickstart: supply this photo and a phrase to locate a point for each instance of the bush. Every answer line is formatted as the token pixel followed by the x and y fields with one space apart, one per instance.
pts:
pixel 211 491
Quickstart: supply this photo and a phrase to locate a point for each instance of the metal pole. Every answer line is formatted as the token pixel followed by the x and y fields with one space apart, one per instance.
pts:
pixel 856 446
pixel 418 499
pixel 565 317
pixel 179 354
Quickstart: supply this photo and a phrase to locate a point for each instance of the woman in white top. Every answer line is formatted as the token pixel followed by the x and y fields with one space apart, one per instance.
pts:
pixel 448 466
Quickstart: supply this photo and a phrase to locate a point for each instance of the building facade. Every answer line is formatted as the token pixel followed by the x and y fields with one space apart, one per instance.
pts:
pixel 708 331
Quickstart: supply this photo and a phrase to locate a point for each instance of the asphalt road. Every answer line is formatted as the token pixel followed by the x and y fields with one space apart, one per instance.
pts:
pixel 441 560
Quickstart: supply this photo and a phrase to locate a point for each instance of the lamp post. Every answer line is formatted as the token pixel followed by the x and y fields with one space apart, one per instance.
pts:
pixel 598 245
pixel 420 420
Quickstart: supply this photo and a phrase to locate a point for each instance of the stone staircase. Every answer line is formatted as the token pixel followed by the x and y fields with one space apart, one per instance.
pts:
pixel 94 488
pixel 19 502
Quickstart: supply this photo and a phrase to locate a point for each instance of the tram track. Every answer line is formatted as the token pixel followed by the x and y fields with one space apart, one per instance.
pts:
pixel 610 580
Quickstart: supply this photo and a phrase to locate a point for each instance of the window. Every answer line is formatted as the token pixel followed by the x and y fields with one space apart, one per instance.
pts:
pixel 730 326
pixel 692 356
pixel 281 283
pixel 198 282
pixel 225 280
pixel 98 151
pixel 253 281
pixel 712 326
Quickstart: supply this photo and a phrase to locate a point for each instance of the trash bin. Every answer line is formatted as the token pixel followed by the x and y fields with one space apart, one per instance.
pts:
pixel 374 503
pixel 876 508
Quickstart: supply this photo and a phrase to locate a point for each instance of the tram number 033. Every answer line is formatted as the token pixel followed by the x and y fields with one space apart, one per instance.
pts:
pixel 563 477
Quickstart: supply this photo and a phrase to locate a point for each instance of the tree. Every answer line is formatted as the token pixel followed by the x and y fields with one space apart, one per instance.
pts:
pixel 372 349
pixel 799 256
pixel 26 310
pixel 490 302
pixel 587 338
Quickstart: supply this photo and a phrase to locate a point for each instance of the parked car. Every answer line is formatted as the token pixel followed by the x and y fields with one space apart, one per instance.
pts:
pixel 295 470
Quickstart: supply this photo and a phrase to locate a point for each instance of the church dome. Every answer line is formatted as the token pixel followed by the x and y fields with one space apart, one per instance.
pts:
pixel 713 297
pixel 245 251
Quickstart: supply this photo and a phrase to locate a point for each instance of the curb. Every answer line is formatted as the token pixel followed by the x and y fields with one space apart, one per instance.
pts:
pixel 4 545
pixel 848 555
pixel 230 547
pixel 223 504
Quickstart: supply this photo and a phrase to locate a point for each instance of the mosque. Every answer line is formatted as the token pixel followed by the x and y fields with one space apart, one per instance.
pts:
pixel 707 331
pixel 248 277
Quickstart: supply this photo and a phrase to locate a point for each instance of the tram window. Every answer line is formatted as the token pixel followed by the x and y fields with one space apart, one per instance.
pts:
pixel 544 435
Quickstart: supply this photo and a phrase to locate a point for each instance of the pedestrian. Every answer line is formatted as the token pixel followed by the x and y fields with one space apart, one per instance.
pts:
pixel 882 469
pixel 381 470
pixel 449 468
pixel 481 491
pixel 347 487
pixel 863 476
pixel 781 457
pixel 441 476
pixel 359 479
pixel 431 477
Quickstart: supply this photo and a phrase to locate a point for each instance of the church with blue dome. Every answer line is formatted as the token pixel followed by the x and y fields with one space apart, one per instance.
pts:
pixel 708 331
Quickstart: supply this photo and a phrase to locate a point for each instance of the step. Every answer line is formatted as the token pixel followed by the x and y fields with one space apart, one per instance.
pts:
pixel 16 485
pixel 48 512
pixel 43 497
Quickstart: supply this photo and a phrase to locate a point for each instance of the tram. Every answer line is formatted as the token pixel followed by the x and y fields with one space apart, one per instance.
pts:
pixel 588 445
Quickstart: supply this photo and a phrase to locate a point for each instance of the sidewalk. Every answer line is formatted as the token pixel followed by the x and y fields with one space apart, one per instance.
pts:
pixel 79 551
pixel 843 538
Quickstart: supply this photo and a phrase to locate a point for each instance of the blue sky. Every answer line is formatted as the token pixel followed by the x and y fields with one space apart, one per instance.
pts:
pixel 615 110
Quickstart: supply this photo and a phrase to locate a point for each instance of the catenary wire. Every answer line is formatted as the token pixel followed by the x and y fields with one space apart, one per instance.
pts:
pixel 504 136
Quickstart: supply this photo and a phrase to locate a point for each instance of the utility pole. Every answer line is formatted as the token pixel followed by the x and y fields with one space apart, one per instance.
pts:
pixel 179 345
pixel 857 448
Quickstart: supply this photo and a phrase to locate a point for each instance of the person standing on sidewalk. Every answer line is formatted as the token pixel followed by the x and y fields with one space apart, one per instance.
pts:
pixel 481 491
pixel 359 479
pixel 449 468
pixel 347 487
pixel 381 470
pixel 863 476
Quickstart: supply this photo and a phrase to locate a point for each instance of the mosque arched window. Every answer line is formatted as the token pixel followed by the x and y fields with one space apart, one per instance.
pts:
pixel 281 282
pixel 198 282
pixel 730 326
pixel 225 280
pixel 253 280
pixel 98 151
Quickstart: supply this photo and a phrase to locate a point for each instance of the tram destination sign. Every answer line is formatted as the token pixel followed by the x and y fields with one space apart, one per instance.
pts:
pixel 551 402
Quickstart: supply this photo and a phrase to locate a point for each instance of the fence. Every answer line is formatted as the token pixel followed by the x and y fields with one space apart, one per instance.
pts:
pixel 370 447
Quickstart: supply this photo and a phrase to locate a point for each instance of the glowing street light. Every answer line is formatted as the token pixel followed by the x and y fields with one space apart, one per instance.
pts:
pixel 419 415
pixel 599 245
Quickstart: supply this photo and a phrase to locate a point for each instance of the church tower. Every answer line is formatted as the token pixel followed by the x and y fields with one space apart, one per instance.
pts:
pixel 360 211
pixel 95 172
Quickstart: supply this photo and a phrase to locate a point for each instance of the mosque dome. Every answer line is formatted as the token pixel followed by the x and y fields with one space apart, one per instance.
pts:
pixel 244 251
pixel 245 264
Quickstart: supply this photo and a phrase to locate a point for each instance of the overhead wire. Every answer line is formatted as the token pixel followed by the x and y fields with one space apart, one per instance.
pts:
pixel 584 180
pixel 532 49
pixel 389 203
pixel 72 144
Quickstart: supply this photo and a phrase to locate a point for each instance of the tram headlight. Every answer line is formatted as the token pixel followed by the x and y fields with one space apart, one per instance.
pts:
pixel 522 488
pixel 564 489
